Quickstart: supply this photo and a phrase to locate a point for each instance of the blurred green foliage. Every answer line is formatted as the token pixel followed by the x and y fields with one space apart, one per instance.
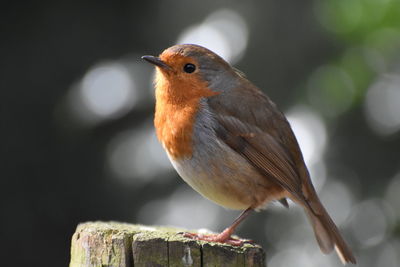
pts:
pixel 369 31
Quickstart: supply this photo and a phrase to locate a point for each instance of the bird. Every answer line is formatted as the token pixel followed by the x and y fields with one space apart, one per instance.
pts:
pixel 231 143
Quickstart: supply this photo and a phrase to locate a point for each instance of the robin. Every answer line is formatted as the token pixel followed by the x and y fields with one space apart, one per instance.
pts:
pixel 230 142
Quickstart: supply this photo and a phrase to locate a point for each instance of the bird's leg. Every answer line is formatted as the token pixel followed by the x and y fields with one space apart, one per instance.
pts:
pixel 224 236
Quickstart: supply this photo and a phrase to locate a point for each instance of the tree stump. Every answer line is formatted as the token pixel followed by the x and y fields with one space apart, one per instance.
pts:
pixel 115 244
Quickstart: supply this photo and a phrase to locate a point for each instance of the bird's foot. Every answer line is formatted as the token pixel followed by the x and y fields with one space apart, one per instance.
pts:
pixel 224 237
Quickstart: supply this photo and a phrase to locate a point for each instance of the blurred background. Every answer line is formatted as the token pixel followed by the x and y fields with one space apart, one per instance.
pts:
pixel 78 144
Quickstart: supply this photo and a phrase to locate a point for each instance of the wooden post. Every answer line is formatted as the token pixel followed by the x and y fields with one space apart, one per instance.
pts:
pixel 112 244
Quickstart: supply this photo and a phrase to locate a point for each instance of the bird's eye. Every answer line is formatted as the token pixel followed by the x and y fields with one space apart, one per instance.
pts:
pixel 189 68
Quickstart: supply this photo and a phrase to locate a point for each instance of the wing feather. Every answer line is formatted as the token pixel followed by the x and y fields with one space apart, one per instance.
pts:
pixel 262 150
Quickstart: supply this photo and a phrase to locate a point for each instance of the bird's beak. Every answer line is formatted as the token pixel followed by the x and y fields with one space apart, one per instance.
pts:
pixel 156 61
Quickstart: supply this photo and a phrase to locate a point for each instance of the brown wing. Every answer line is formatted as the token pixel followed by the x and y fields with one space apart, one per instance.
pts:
pixel 262 151
pixel 258 131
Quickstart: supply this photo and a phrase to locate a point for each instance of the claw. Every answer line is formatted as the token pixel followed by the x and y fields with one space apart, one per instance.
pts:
pixel 225 236
pixel 218 238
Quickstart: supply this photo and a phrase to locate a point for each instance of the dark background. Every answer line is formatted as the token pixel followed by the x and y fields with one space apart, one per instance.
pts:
pixel 70 153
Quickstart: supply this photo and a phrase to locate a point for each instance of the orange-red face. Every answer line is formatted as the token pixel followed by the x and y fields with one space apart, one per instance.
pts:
pixel 178 78
pixel 180 66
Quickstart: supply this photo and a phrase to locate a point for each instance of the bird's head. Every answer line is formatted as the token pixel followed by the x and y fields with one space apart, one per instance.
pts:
pixel 186 71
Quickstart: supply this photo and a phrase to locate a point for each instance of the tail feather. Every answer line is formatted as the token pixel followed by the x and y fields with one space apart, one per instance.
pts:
pixel 327 234
pixel 323 237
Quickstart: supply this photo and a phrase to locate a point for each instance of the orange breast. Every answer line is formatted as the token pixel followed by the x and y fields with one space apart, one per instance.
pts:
pixel 177 103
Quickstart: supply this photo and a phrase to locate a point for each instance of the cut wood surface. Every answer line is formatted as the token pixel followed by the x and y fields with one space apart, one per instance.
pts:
pixel 115 244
